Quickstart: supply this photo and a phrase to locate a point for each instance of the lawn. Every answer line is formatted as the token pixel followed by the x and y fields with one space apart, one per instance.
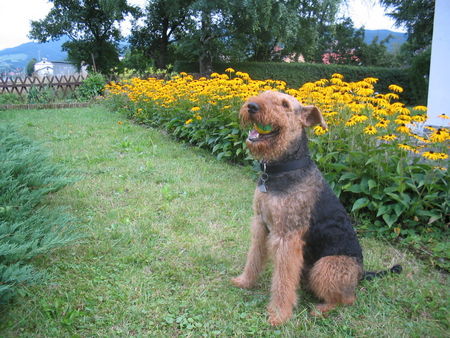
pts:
pixel 165 227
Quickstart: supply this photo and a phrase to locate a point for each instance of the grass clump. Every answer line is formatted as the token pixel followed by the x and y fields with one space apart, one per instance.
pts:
pixel 28 228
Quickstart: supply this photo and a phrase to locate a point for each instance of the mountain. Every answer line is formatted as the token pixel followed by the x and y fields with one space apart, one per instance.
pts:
pixel 394 43
pixel 16 59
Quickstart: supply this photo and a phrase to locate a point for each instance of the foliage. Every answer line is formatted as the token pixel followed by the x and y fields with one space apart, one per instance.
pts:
pixel 90 25
pixel 366 153
pixel 28 227
pixel 11 98
pixel 30 67
pixel 92 86
pixel 41 95
pixel 417 16
pixel 164 23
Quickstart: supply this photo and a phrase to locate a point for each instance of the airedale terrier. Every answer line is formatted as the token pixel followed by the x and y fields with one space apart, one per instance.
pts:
pixel 297 217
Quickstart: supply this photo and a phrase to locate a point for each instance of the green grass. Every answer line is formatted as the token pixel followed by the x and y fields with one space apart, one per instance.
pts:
pixel 165 227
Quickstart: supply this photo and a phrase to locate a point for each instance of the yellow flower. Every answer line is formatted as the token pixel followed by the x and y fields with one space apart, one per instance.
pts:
pixel 188 121
pixel 419 118
pixel 440 135
pixel 388 137
pixel 337 76
pixel 421 108
pixel 229 70
pixel 382 124
pixel 395 88
pixel 431 155
pixel 403 129
pixel 195 108
pixel 319 130
pixel 370 130
pixel 443 116
pixel 407 148
pixel 371 80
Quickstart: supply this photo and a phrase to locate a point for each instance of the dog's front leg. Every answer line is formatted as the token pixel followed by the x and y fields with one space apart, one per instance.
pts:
pixel 256 256
pixel 288 259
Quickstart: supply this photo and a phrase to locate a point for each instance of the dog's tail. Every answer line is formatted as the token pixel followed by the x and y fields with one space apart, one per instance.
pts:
pixel 369 275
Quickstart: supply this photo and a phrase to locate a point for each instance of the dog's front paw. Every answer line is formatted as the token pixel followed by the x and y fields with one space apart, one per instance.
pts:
pixel 242 282
pixel 279 316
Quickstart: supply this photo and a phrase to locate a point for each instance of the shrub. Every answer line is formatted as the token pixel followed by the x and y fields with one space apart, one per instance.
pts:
pixel 10 98
pixel 28 227
pixel 41 95
pixel 91 87
pixel 392 179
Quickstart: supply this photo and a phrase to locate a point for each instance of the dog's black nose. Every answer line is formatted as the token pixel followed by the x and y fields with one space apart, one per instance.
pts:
pixel 252 107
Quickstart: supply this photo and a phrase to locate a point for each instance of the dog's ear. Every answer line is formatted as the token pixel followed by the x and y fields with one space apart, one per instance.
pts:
pixel 312 116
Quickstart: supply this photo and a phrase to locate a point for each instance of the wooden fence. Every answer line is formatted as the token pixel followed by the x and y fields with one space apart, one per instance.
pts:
pixel 62 84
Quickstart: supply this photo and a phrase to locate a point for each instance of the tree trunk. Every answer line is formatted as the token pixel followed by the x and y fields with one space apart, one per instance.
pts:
pixel 205 58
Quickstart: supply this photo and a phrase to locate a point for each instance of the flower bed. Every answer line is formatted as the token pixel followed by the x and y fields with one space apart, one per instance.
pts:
pixel 388 170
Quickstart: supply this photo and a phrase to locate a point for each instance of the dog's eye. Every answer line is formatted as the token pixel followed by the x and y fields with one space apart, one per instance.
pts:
pixel 285 104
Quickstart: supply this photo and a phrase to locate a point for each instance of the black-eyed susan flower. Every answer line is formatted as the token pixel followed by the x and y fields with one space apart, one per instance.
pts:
pixel 388 137
pixel 382 123
pixel 406 147
pixel 444 116
pixel 420 108
pixel 440 135
pixel 402 128
pixel 396 88
pixel 319 130
pixel 370 130
pixel 431 155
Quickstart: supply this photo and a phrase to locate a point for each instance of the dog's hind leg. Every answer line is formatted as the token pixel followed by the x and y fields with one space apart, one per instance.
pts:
pixel 256 256
pixel 288 259
pixel 333 279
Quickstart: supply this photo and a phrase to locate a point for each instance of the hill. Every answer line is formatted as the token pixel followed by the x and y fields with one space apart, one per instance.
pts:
pixel 394 43
pixel 16 59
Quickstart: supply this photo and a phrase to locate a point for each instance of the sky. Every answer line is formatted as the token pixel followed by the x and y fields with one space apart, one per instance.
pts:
pixel 16 15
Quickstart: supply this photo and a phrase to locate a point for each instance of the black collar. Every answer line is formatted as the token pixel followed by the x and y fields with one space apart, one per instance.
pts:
pixel 278 168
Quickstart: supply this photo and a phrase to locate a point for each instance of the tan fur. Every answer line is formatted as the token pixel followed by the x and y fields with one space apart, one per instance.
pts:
pixel 333 279
pixel 281 220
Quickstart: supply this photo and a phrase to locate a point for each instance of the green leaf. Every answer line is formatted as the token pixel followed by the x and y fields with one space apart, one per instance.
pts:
pixel 360 203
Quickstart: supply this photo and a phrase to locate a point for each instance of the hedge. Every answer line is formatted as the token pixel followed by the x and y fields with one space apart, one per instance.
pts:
pixel 297 74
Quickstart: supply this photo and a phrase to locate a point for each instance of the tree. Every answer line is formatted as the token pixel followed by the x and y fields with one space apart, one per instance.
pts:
pixel 164 23
pixel 92 27
pixel 30 66
pixel 345 45
pixel 417 16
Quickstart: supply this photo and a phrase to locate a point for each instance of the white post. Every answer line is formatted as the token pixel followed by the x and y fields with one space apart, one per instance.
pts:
pixel 439 84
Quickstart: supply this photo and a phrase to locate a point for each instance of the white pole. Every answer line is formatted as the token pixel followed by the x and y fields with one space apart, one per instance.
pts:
pixel 439 84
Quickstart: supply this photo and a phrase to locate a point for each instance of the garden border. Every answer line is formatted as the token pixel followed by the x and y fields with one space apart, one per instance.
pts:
pixel 45 105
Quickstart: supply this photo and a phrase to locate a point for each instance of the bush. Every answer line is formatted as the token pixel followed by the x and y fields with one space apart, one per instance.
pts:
pixel 28 227
pixel 297 74
pixel 392 179
pixel 91 87
pixel 10 98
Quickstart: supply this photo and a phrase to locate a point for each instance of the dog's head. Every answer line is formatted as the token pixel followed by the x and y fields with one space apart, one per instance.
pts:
pixel 277 122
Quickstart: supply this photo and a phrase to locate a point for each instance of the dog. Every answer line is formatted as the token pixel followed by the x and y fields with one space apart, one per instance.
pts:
pixel 297 220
